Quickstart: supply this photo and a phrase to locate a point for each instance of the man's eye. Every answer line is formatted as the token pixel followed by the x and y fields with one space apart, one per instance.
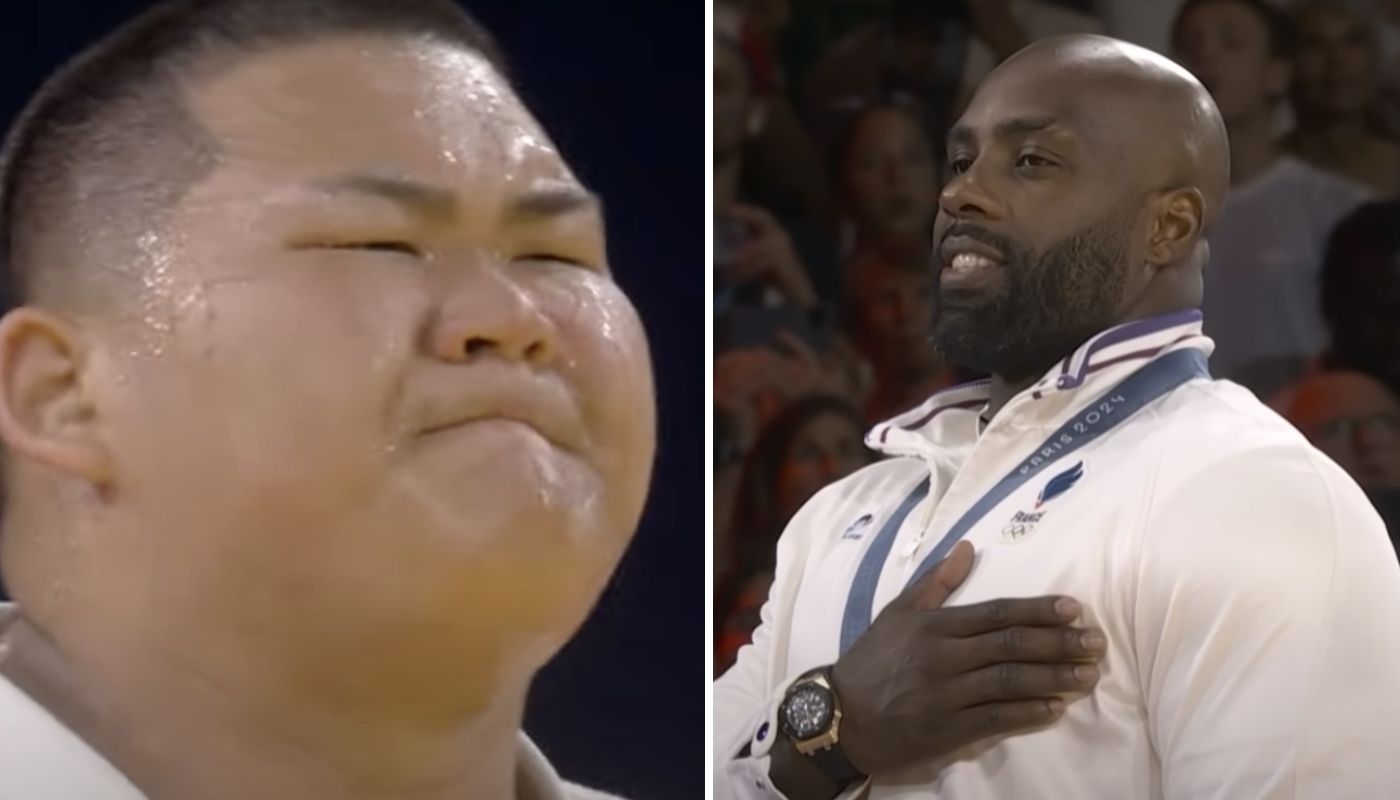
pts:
pixel 959 164
pixel 1033 160
pixel 555 258
pixel 381 247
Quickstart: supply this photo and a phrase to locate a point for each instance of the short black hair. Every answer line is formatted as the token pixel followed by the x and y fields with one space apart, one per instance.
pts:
pixel 1283 35
pixel 108 132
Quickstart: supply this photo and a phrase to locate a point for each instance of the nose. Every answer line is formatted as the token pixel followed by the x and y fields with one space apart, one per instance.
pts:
pixel 487 314
pixel 967 195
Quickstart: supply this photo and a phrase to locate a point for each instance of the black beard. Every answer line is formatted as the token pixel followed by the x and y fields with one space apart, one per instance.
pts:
pixel 1050 304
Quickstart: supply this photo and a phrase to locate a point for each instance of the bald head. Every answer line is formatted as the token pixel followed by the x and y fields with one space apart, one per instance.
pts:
pixel 1085 173
pixel 1154 112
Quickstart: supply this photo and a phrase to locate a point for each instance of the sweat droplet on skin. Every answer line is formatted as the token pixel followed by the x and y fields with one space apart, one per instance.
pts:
pixel 525 145
pixel 158 303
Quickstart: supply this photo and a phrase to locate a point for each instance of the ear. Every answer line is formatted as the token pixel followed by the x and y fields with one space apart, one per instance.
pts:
pixel 46 409
pixel 1176 226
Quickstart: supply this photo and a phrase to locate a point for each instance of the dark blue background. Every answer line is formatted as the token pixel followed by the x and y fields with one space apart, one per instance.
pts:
pixel 620 86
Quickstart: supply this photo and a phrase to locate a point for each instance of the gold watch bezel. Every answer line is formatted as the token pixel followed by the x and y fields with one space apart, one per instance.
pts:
pixel 832 735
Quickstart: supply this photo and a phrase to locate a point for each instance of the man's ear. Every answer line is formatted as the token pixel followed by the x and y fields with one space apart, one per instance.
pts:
pixel 46 410
pixel 1176 226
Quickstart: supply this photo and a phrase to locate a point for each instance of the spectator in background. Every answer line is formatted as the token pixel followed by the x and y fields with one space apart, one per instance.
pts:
pixel 931 53
pixel 753 388
pixel 1001 27
pixel 911 49
pixel 888 314
pixel 1144 23
pixel 1383 18
pixel 1361 293
pixel 1355 420
pixel 756 259
pixel 812 443
pixel 1334 95
pixel 887 176
pixel 1261 285
pixel 783 164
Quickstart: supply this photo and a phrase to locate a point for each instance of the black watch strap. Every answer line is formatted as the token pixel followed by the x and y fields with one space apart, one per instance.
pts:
pixel 832 763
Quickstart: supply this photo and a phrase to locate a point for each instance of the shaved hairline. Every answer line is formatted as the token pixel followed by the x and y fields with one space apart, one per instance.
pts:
pixel 108 147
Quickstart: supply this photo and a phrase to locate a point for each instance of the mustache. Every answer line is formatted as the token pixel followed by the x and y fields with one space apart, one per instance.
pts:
pixel 1002 244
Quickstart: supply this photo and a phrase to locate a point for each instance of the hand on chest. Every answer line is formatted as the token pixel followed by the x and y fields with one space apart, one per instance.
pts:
pixel 1051 534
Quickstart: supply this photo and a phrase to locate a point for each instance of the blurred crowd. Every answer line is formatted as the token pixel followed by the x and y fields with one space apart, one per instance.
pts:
pixel 828 162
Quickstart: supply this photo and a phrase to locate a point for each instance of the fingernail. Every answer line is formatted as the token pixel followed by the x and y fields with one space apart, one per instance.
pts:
pixel 1067 607
pixel 1057 706
pixel 1093 640
pixel 1085 673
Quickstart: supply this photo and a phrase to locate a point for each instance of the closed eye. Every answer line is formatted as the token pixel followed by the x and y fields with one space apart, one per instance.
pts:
pixel 380 247
pixel 556 258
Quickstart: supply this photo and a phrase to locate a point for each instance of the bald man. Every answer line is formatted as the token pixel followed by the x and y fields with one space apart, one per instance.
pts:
pixel 324 421
pixel 1174 595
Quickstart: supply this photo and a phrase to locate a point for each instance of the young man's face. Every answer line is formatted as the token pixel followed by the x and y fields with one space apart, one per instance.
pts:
pixel 384 392
pixel 1336 63
pixel 1226 45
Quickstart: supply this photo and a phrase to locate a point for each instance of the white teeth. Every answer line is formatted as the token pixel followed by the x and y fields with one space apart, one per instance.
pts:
pixel 966 262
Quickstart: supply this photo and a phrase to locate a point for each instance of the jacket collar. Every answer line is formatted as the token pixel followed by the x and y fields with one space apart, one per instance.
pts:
pixel 951 417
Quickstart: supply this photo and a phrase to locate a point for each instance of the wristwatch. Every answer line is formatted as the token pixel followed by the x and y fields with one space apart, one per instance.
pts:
pixel 810 716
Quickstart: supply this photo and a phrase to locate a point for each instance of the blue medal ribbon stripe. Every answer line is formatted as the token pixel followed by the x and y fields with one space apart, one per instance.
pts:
pixel 1095 420
pixel 859 605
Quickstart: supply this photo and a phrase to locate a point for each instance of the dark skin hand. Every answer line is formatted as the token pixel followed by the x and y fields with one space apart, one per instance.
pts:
pixel 925 681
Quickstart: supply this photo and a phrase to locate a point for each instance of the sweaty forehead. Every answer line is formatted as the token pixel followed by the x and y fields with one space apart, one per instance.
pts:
pixel 397 105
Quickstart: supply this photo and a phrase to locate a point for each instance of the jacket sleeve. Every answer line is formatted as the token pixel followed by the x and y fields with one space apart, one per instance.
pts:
pixel 1267 633
pixel 747 696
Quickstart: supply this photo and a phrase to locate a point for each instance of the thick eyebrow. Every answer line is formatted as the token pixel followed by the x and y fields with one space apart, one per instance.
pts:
pixel 546 200
pixel 543 200
pixel 419 198
pixel 1006 129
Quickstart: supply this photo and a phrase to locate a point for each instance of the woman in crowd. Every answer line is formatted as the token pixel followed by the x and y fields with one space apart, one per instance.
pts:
pixel 886 174
pixel 888 315
pixel 816 440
